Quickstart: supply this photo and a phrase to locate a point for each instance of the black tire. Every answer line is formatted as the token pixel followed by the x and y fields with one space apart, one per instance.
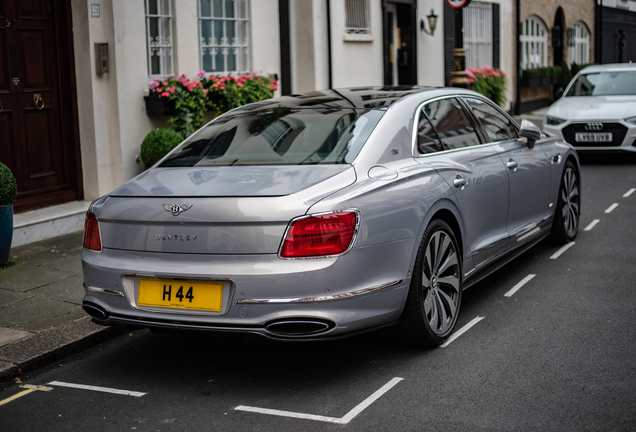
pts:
pixel 568 209
pixel 435 294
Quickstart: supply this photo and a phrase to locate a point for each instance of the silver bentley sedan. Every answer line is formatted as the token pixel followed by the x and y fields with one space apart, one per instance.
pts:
pixel 329 213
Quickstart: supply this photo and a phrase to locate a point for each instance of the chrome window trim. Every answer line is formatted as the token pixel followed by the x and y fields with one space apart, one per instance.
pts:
pixel 351 244
pixel 335 297
pixel 416 154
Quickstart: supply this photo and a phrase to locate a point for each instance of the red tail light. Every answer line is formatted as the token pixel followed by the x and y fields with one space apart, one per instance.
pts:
pixel 92 239
pixel 320 235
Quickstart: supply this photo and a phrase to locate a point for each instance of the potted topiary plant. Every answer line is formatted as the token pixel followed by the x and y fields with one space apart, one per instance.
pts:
pixel 157 144
pixel 8 192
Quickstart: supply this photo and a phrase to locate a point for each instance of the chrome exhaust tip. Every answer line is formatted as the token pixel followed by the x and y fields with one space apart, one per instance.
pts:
pixel 95 311
pixel 299 327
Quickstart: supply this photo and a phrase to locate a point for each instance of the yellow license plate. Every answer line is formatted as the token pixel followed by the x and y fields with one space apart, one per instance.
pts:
pixel 205 296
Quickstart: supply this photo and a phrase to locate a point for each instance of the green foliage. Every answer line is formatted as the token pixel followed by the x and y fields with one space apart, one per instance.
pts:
pixel 540 72
pixel 566 75
pixel 8 186
pixel 190 102
pixel 231 92
pixel 576 68
pixel 489 82
pixel 157 144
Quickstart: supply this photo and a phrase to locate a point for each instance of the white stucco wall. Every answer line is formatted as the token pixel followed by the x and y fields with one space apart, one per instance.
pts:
pixel 356 63
pixel 430 49
pixel 112 116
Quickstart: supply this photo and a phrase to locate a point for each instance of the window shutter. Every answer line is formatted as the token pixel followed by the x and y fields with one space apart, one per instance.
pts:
pixel 449 42
pixel 496 27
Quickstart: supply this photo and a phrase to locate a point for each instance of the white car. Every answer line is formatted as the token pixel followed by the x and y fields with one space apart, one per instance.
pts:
pixel 597 111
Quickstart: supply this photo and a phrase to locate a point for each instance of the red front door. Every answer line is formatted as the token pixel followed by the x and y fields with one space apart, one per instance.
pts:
pixel 37 139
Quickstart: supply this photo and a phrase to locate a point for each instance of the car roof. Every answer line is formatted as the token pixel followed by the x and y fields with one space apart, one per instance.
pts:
pixel 369 97
pixel 614 67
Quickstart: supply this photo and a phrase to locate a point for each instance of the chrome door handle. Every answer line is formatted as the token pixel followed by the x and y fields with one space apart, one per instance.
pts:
pixel 512 164
pixel 459 182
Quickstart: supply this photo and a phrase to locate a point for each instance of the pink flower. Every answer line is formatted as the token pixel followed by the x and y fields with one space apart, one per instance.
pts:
pixel 165 83
pixel 182 77
pixel 201 74
pixel 165 94
pixel 231 76
pixel 470 81
pixel 154 85
pixel 205 91
pixel 172 89
pixel 249 77
pixel 239 84
pixel 470 73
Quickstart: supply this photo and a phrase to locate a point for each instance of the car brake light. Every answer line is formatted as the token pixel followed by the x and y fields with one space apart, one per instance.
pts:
pixel 92 239
pixel 320 235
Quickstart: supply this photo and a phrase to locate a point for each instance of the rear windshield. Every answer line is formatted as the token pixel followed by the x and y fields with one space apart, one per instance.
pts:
pixel 279 136
pixel 604 84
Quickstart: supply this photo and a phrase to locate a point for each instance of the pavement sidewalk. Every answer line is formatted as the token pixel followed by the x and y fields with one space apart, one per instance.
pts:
pixel 41 316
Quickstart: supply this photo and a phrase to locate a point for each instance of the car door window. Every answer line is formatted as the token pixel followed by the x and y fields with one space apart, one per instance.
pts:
pixel 496 125
pixel 451 123
pixel 427 139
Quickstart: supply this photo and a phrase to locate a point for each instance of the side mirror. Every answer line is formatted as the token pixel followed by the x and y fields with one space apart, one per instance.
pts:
pixel 559 93
pixel 530 132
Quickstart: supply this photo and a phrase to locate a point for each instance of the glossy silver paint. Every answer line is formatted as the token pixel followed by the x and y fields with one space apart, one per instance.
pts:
pixel 500 197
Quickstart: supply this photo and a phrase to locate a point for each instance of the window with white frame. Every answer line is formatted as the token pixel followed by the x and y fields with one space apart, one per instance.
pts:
pixel 357 17
pixel 580 52
pixel 159 38
pixel 224 35
pixel 534 43
pixel 477 17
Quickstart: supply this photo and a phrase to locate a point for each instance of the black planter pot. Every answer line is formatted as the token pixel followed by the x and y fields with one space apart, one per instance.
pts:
pixel 157 107
pixel 546 81
pixel 6 232
pixel 556 80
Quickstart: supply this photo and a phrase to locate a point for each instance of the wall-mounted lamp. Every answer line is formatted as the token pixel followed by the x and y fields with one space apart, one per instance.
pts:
pixel 432 23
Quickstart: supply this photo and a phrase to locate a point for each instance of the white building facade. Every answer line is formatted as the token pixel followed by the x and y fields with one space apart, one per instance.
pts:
pixel 305 44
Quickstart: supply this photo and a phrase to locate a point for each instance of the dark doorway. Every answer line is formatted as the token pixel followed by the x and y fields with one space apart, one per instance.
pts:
pixel 38 120
pixel 618 36
pixel 557 37
pixel 400 33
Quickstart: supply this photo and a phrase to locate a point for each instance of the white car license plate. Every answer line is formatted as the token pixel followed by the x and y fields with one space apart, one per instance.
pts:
pixel 593 137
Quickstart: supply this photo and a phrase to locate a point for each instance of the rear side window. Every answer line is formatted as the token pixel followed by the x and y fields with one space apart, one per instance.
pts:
pixel 451 124
pixel 279 136
pixel 427 139
pixel 497 126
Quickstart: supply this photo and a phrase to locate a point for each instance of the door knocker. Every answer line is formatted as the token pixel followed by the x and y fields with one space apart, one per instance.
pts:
pixel 37 99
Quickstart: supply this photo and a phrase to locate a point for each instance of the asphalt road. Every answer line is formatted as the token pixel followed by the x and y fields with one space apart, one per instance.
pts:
pixel 557 355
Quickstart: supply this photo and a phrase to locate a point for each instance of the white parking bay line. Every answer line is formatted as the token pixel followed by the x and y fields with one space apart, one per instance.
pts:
pixel 516 288
pixel 592 225
pixel 344 420
pixel 461 331
pixel 629 192
pixel 563 249
pixel 95 388
pixel 612 207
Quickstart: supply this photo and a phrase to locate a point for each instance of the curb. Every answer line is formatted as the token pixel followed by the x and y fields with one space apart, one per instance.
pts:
pixel 47 346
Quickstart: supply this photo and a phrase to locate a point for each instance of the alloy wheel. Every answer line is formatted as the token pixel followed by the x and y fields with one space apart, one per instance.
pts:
pixel 570 202
pixel 440 283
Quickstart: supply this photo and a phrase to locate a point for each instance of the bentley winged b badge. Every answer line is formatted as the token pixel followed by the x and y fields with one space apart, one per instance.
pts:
pixel 176 209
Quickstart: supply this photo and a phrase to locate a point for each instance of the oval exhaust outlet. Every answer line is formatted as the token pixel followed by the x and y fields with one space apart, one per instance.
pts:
pixel 298 327
pixel 95 311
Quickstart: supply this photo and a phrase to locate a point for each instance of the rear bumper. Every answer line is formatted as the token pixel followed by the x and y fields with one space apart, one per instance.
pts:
pixel 327 298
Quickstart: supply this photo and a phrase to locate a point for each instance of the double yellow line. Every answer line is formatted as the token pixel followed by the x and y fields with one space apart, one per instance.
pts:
pixel 29 388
